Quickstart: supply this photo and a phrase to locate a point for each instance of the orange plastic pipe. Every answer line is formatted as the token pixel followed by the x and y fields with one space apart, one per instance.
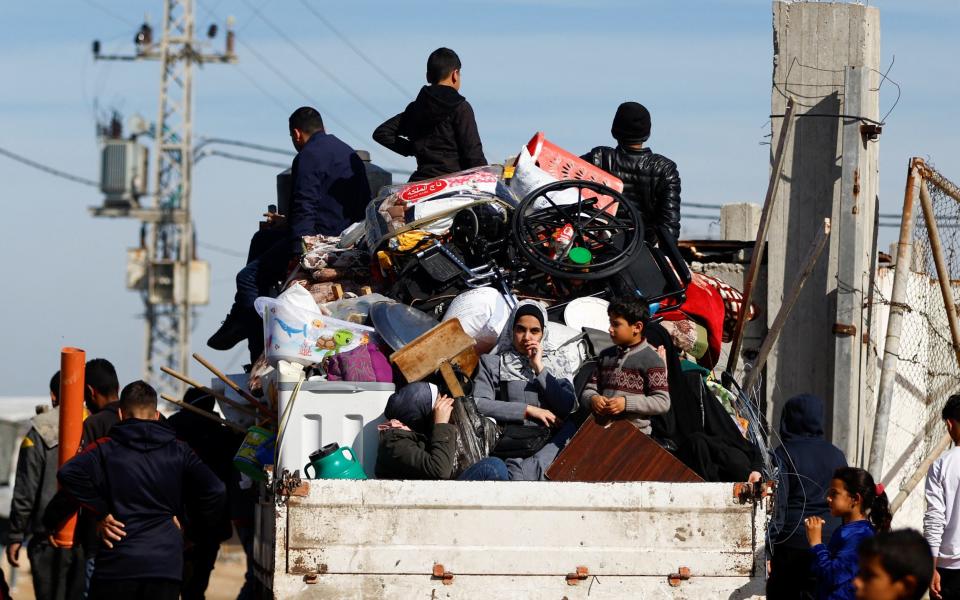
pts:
pixel 72 366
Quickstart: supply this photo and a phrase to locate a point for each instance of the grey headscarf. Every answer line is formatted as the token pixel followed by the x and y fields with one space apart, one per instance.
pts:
pixel 515 366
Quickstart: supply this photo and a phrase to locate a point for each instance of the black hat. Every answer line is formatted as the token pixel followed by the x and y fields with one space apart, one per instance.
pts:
pixel 631 123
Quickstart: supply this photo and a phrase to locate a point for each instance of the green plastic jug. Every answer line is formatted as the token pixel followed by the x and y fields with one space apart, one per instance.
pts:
pixel 331 462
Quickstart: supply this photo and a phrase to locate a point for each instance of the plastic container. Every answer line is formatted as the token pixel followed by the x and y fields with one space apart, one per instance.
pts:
pixel 563 165
pixel 246 460
pixel 334 462
pixel 324 412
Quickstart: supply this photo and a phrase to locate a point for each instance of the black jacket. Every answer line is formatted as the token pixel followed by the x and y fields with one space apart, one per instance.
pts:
pixel 143 476
pixel 330 188
pixel 439 128
pixel 98 425
pixel 410 455
pixel 215 445
pixel 806 462
pixel 650 180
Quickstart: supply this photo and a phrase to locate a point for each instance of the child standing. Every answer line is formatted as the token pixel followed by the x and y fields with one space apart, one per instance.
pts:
pixel 896 565
pixel 863 508
pixel 631 377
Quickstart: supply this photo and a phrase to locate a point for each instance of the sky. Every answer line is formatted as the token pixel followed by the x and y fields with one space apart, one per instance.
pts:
pixel 703 68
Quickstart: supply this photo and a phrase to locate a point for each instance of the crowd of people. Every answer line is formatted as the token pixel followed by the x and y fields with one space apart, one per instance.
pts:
pixel 157 497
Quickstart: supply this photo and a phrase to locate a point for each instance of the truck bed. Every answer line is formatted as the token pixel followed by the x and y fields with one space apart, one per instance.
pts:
pixel 451 539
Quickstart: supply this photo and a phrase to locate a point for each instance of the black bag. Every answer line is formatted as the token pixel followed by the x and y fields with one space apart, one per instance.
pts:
pixel 521 441
pixel 476 435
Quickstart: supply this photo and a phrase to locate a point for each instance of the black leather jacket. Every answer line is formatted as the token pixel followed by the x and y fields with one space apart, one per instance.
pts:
pixel 650 181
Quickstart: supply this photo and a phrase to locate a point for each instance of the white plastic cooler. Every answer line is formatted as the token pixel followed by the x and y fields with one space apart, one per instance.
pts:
pixel 324 412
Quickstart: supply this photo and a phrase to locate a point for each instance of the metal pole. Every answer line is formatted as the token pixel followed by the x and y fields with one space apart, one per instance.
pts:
pixel 891 346
pixel 919 474
pixel 943 275
pixel 760 245
pixel 816 249
pixel 186 230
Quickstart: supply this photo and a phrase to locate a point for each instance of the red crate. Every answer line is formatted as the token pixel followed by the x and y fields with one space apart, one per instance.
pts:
pixel 563 165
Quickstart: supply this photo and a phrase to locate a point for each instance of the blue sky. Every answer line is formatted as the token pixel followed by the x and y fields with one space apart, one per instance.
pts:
pixel 703 68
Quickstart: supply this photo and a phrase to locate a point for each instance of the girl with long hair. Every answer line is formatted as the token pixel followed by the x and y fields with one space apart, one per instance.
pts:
pixel 863 508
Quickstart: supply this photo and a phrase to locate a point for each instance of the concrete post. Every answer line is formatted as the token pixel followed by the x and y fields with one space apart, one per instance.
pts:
pixel 814 46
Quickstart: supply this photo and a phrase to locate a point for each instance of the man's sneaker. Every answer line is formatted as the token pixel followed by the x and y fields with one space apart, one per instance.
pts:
pixel 231 332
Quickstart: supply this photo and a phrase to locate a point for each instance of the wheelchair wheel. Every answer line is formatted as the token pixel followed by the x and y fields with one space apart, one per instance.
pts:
pixel 577 230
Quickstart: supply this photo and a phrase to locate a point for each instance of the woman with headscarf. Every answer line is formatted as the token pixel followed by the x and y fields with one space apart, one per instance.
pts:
pixel 526 381
pixel 806 463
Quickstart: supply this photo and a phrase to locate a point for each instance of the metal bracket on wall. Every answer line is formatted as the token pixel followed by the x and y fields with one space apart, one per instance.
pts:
pixel 844 329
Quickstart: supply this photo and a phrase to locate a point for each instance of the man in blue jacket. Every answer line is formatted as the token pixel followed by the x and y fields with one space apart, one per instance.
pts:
pixel 330 192
pixel 136 481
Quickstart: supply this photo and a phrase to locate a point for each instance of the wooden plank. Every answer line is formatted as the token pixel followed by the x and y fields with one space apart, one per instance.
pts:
pixel 424 355
pixel 616 450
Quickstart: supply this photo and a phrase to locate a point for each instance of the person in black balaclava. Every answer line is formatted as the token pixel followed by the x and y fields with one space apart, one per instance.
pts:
pixel 439 127
pixel 806 462
pixel 651 181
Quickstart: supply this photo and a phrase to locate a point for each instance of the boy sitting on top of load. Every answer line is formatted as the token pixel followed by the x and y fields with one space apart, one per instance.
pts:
pixel 631 377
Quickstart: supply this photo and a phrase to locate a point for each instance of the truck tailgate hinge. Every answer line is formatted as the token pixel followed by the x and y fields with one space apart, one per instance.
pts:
pixel 580 575
pixel 682 574
pixel 440 573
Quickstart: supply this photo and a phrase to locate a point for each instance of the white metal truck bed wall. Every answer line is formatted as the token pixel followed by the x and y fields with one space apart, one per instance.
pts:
pixel 381 539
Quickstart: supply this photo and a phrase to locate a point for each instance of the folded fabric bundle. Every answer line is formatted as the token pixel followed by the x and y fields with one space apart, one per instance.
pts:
pixel 365 363
pixel 688 336
pixel 705 306
pixel 732 305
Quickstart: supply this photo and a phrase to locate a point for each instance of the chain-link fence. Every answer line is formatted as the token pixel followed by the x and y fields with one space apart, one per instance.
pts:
pixel 926 368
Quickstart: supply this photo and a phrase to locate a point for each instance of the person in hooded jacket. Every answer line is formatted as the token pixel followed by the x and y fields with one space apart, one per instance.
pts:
pixel 806 463
pixel 525 381
pixel 439 127
pixel 136 481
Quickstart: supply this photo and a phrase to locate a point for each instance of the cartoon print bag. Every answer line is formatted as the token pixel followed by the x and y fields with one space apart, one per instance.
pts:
pixel 294 329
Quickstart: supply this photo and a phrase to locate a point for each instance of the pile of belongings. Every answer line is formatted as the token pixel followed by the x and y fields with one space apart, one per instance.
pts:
pixel 336 316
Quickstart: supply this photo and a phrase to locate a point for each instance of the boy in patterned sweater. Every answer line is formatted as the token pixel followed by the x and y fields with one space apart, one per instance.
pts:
pixel 631 377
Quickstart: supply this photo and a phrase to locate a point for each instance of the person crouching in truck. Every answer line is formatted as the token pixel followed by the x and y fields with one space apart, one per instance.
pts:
pixel 650 181
pixel 523 385
pixel 631 377
pixel 419 442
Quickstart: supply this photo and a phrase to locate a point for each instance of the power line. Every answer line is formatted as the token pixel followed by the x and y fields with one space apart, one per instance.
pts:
pixel 222 250
pixel 283 106
pixel 357 137
pixel 357 50
pixel 340 83
pixel 361 140
pixel 248 159
pixel 243 144
pixel 107 11
pixel 49 170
